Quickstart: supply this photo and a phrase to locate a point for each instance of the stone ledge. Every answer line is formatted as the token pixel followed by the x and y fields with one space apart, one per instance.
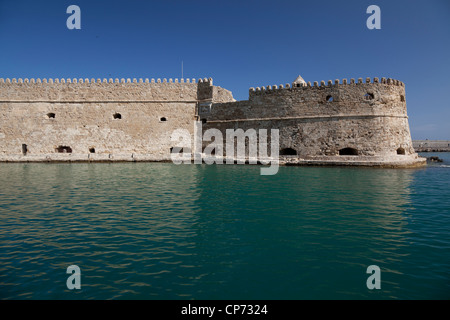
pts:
pixel 400 161
pixel 419 162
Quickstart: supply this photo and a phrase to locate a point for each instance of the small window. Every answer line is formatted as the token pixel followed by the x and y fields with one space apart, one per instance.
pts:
pixel 91 150
pixel 204 121
pixel 402 98
pixel 401 151
pixel 24 149
pixel 51 115
pixel 64 149
pixel 369 96
pixel 288 152
pixel 162 119
pixel 117 116
pixel 329 98
pixel 180 150
pixel 348 152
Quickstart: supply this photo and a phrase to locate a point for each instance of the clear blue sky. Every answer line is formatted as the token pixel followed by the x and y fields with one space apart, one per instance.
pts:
pixel 240 44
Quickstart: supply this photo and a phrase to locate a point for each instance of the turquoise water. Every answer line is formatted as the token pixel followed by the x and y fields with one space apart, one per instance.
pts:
pixel 161 231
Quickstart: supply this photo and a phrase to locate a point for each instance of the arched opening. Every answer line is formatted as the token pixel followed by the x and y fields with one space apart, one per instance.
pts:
pixel 91 150
pixel 401 151
pixel 64 149
pixel 288 152
pixel 162 119
pixel 329 98
pixel 348 152
pixel 117 116
pixel 402 98
pixel 369 96
pixel 51 115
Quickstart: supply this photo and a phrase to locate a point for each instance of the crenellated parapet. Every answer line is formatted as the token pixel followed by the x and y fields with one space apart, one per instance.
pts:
pixel 123 89
pixel 104 80
pixel 324 84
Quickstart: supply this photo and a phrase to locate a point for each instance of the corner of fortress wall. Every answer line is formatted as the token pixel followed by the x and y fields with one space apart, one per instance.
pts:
pixel 129 119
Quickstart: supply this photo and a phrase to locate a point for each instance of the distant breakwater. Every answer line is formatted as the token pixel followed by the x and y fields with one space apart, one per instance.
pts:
pixel 431 145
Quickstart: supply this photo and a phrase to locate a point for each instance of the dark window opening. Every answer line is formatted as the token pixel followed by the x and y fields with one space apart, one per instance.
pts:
pixel 24 149
pixel 401 151
pixel 117 116
pixel 92 150
pixel 162 119
pixel 329 98
pixel 203 120
pixel 64 149
pixel 288 152
pixel 369 96
pixel 51 115
pixel 348 152
pixel 180 150
pixel 402 98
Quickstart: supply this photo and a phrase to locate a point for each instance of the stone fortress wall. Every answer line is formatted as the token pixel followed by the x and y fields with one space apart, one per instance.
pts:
pixel 355 123
pixel 76 119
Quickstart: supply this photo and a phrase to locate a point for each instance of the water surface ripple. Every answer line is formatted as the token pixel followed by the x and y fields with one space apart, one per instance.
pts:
pixel 161 231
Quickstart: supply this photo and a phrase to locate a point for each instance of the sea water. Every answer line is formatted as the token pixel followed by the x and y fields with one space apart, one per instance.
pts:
pixel 165 231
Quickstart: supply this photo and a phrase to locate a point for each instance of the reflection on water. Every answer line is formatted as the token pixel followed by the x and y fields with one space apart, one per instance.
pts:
pixel 161 231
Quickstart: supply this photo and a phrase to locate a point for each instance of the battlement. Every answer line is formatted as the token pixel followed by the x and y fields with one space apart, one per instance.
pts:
pixel 323 84
pixel 97 90
pixel 205 81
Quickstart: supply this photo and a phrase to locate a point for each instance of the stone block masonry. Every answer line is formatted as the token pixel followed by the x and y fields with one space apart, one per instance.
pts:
pixel 361 122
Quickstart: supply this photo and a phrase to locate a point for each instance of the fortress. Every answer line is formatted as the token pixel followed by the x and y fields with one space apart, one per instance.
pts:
pixel 327 123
